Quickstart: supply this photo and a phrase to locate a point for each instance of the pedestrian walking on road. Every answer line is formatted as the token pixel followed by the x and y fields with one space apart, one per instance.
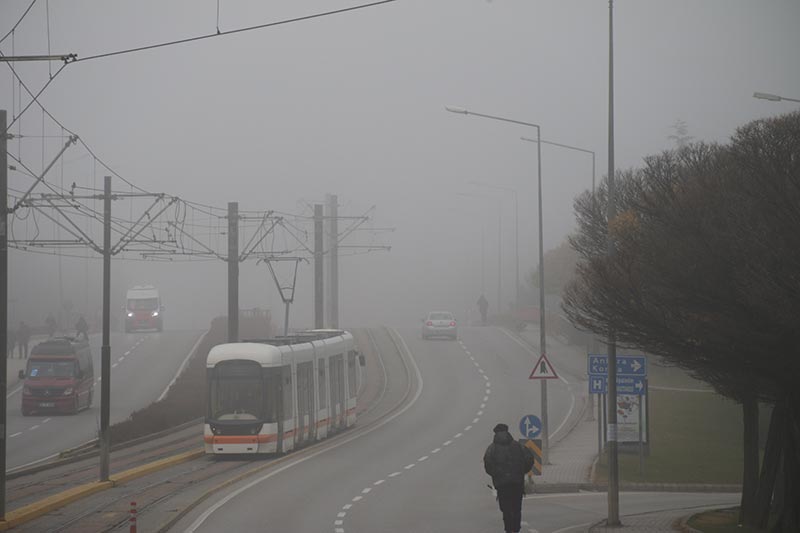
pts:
pixel 83 328
pixel 507 461
pixel 23 337
pixel 483 307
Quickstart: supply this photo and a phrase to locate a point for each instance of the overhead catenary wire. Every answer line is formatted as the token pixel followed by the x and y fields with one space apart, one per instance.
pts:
pixel 14 27
pixel 232 32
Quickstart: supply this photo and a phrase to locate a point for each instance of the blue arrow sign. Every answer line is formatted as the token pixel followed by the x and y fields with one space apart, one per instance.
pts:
pixel 627 365
pixel 625 385
pixel 530 426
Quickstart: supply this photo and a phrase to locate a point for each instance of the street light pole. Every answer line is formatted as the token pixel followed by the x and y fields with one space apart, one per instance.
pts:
pixel 516 233
pixel 613 450
pixel 499 249
pixel 542 331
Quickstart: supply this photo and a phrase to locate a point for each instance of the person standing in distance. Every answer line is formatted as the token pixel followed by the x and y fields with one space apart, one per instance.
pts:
pixel 507 461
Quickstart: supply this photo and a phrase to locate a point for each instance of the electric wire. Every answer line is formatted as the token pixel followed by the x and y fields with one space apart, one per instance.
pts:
pixel 13 28
pixel 231 32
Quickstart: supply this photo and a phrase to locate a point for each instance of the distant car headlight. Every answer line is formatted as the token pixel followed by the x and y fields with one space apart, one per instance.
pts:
pixel 68 391
pixel 155 313
pixel 130 314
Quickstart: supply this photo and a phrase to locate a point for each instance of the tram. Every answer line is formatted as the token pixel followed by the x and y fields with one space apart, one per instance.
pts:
pixel 274 395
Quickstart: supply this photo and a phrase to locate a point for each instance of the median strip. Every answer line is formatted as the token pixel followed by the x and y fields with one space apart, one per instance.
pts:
pixel 56 501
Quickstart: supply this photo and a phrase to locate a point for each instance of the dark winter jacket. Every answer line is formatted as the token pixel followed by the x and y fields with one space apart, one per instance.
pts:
pixel 506 460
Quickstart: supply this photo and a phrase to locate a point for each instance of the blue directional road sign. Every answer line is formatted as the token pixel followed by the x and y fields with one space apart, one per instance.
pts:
pixel 625 385
pixel 627 365
pixel 530 426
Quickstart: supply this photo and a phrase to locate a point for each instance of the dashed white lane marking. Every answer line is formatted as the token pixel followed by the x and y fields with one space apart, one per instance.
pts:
pixel 488 391
pixel 395 474
pixel 357 498
pixel 485 377
pixel 366 491
pixel 447 443
pixel 472 358
pixel 467 428
pixel 475 420
pixel 483 405
pixel 423 458
pixel 121 358
pixel 458 435
pixel 341 515
pixel 488 384
pixel 485 398
pixel 480 371
pixel 339 530
pixel 127 353
pixel 45 421
pixel 480 413
pixel 467 352
pixel 35 427
pixel 409 467
pixel 338 522
pixel 379 482
pixel 17 434
pixel 437 450
pixel 347 506
pixel 114 365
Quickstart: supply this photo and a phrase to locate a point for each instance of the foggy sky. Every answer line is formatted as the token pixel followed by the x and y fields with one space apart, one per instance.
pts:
pixel 354 105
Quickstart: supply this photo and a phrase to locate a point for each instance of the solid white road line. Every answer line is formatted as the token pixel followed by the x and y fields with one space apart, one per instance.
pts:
pixel 180 368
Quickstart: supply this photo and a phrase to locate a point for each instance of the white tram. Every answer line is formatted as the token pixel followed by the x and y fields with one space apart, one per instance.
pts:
pixel 273 395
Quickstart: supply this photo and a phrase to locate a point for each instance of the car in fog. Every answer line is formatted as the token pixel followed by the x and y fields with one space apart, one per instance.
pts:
pixel 143 309
pixel 439 324
pixel 59 377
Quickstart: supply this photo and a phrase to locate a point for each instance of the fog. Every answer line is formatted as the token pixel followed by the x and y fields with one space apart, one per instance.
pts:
pixel 353 105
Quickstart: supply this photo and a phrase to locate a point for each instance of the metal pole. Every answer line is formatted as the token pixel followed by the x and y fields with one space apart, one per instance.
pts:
pixel 334 259
pixel 233 271
pixel 499 259
pixel 613 451
pixel 286 320
pixel 105 350
pixel 599 426
pixel 516 248
pixel 542 331
pixel 4 300
pixel 641 442
pixel 318 294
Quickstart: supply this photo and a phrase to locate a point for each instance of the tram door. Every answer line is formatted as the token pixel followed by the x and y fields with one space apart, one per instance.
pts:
pixel 305 401
pixel 337 390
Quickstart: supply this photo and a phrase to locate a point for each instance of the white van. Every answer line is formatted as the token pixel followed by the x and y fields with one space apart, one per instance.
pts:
pixel 143 309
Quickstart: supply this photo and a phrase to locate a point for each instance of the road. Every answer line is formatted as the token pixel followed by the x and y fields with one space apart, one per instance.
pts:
pixel 143 364
pixel 422 471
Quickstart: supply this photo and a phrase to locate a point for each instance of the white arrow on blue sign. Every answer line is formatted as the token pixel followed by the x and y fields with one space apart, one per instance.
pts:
pixel 627 365
pixel 625 385
pixel 530 426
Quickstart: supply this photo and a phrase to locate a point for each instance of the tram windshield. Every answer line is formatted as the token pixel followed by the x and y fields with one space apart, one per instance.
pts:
pixel 235 391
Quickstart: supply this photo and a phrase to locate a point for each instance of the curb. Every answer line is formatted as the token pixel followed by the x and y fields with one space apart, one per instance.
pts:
pixel 56 501
pixel 555 488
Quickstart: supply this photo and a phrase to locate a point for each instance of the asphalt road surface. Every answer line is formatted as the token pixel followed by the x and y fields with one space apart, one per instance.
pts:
pixel 422 471
pixel 143 364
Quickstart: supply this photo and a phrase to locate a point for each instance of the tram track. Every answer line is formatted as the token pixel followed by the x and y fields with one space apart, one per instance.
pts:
pixel 155 494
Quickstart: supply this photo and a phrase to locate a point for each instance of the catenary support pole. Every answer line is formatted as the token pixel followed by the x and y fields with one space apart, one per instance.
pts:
pixel 105 350
pixel 613 451
pixel 318 272
pixel 542 311
pixel 333 316
pixel 233 271
pixel 4 303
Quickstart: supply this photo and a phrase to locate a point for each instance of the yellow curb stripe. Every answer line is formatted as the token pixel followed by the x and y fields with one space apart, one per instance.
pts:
pixel 40 508
pixel 143 470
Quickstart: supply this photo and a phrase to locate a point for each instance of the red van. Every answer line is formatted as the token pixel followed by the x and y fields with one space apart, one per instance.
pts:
pixel 59 377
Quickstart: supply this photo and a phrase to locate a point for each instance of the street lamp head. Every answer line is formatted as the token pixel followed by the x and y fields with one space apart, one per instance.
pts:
pixel 767 96
pixel 459 110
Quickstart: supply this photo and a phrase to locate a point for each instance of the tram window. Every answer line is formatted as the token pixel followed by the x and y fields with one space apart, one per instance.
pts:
pixel 235 391
pixel 351 373
pixel 288 407
pixel 323 386
pixel 272 391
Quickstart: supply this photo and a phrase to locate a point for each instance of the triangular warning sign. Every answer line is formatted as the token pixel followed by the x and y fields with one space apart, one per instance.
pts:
pixel 543 369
